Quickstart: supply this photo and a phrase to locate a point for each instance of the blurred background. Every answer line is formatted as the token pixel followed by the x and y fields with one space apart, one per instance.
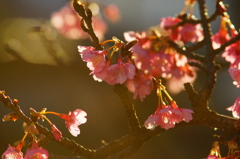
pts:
pixel 42 69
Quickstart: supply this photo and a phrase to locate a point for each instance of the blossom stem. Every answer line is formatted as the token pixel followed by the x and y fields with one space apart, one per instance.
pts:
pixel 19 146
pixel 112 52
pixel 50 123
pixel 159 93
pixel 52 113
pixel 169 97
pixel 183 10
pixel 223 24
pixel 24 137
pixel 191 8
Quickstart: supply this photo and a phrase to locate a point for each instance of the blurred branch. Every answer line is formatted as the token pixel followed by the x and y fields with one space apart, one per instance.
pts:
pixel 12 47
pixel 86 15
pixel 48 37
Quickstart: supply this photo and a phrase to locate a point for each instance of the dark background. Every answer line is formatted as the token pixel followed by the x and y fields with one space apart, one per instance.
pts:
pixel 34 78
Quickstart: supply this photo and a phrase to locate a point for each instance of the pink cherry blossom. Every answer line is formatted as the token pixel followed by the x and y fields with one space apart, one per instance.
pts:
pixel 12 153
pixel 36 153
pixel 175 85
pixel 232 52
pixel 168 22
pixel 140 50
pixel 57 133
pixel 96 59
pixel 219 38
pixel 112 13
pixel 235 108
pixel 67 22
pixel 141 57
pixel 152 121
pixel 222 35
pixel 234 71
pixel 180 73
pixel 152 63
pixel 165 118
pixel 191 33
pixel 182 68
pixel 73 120
pixel 141 85
pixel 101 75
pixel 168 116
pixel 212 157
pixel 187 114
pixel 120 72
pixel 163 63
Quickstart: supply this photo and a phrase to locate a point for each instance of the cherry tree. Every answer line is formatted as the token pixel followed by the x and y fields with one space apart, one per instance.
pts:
pixel 161 61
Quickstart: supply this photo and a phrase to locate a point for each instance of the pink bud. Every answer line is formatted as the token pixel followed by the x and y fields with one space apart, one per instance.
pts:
pixel 12 152
pixel 57 133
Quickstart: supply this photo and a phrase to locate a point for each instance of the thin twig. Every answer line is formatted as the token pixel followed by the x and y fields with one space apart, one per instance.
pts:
pixel 182 50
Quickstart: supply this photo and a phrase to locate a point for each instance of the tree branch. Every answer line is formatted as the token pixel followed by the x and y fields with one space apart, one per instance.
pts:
pixel 134 123
pixel 86 15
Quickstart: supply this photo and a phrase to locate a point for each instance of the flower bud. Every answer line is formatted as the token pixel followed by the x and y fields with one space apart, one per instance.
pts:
pixel 57 133
pixel 12 116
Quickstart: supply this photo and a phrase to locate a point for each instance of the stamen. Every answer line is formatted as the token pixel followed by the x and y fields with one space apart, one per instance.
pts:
pixel 159 93
pixel 169 97
pixel 191 9
pixel 184 10
pixel 50 123
pixel 19 146
pixel 106 42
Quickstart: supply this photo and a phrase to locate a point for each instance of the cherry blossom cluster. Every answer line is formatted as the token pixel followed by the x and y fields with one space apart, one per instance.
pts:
pixel 151 56
pixel 72 121
pixel 67 21
pixel 156 58
pixel 122 69
pixel 167 115
pixel 114 67
pixel 33 153
pixel 231 53
pixel 139 65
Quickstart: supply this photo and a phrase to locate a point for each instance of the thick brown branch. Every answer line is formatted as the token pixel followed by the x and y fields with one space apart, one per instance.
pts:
pixel 198 65
pixel 195 47
pixel 134 123
pixel 206 26
pixel 210 54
